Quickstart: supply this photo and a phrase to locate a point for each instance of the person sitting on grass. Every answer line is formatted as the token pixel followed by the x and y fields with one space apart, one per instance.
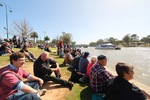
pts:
pixel 90 65
pixel 61 53
pixel 47 48
pixel 45 66
pixel 6 49
pixel 99 76
pixel 68 57
pixel 28 54
pixel 11 85
pixel 83 62
pixel 119 88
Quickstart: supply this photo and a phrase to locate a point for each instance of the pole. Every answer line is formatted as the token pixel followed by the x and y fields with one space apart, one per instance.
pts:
pixel 6 22
pixel 6 28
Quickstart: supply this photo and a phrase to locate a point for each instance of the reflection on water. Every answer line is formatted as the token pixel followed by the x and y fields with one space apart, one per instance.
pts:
pixel 138 56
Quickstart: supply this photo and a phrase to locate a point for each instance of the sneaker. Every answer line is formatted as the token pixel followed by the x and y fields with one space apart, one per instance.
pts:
pixel 71 84
pixel 32 60
pixel 42 91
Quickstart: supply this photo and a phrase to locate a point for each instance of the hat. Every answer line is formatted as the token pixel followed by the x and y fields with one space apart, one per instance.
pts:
pixel 85 54
pixel 101 57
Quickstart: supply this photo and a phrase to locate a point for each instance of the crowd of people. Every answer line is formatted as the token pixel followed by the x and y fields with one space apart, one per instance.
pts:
pixel 83 71
pixel 94 74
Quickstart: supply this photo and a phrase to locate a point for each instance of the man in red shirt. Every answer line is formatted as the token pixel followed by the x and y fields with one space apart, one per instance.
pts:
pixel 61 43
pixel 11 85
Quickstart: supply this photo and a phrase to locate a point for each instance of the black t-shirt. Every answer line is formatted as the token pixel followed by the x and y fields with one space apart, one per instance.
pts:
pixel 120 89
pixel 41 68
pixel 2 48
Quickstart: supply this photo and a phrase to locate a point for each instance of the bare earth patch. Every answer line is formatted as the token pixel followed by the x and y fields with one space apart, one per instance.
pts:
pixel 55 91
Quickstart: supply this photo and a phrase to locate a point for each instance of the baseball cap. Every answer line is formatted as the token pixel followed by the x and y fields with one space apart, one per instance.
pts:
pixel 101 57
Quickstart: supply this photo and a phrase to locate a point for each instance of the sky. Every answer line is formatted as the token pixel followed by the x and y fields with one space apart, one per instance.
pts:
pixel 86 20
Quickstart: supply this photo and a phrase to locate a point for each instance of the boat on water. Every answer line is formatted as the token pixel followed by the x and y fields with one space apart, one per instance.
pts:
pixel 107 46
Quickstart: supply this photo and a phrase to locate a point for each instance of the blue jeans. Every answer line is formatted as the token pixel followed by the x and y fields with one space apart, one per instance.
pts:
pixel 26 96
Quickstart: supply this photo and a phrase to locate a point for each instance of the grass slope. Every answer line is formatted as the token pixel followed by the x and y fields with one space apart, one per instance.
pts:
pixel 79 91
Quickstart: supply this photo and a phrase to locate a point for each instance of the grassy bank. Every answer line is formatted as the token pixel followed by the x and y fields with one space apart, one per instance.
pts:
pixel 79 91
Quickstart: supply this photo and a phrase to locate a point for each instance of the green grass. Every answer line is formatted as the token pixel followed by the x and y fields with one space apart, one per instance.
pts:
pixel 79 91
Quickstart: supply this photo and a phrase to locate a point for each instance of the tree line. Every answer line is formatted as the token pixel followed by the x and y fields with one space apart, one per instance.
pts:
pixel 127 40
pixel 23 29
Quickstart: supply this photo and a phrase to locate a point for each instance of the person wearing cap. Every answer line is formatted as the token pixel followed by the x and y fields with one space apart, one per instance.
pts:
pixel 99 76
pixel 119 88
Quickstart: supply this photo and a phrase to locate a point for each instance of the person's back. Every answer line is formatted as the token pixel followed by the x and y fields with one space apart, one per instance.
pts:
pixel 75 61
pixel 83 62
pixel 68 57
pixel 90 65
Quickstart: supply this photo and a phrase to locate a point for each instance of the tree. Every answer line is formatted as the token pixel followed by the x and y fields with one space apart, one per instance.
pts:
pixel 100 41
pixel 33 35
pixel 146 39
pixel 54 42
pixel 73 43
pixel 22 28
pixel 66 37
pixel 46 38
pixel 112 40
pixel 134 38
pixel 92 44
pixel 127 39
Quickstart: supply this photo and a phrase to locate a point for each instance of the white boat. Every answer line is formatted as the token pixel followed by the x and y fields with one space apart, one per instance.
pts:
pixel 107 46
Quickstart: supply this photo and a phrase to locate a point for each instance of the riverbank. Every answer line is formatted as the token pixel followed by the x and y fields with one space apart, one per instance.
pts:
pixel 134 55
pixel 56 91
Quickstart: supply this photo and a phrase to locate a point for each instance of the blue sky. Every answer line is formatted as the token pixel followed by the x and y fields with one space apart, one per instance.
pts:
pixel 86 20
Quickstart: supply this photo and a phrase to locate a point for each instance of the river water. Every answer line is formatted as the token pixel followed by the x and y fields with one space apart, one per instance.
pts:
pixel 138 56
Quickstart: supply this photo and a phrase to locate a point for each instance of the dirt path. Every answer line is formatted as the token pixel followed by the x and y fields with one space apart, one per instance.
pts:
pixel 55 91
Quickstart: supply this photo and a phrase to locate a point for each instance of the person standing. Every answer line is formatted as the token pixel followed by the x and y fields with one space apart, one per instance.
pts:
pixel 61 43
pixel 99 76
pixel 11 85
pixel 45 66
